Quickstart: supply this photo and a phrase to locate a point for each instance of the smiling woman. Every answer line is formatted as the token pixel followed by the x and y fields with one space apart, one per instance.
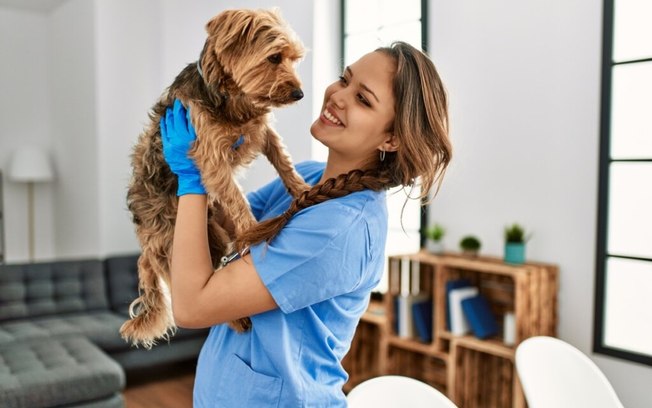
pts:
pixel 357 117
pixel 307 269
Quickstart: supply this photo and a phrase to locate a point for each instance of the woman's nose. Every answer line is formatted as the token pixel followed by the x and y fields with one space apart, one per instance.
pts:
pixel 337 98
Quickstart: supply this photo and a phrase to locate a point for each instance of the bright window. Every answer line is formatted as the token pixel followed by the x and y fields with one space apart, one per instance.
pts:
pixel 367 25
pixel 623 305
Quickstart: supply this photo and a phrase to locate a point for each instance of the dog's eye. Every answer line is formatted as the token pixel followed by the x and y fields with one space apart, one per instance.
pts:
pixel 275 59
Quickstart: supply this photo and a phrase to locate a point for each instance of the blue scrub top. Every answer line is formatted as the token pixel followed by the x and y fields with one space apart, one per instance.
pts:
pixel 320 270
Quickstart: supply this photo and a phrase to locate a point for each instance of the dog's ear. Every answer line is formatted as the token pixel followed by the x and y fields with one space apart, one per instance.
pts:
pixel 217 21
pixel 230 26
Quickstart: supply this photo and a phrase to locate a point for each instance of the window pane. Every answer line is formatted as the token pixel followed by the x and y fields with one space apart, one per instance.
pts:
pixel 628 305
pixel 370 15
pixel 371 24
pixel 361 16
pixel 393 11
pixel 632 29
pixel 358 45
pixel 631 127
pixel 362 43
pixel 411 214
pixel 408 32
pixel 630 218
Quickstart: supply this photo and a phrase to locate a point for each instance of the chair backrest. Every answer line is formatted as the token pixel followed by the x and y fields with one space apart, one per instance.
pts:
pixel 393 391
pixel 555 374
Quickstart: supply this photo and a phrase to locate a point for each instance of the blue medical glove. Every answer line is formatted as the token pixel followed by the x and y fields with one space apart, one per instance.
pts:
pixel 178 135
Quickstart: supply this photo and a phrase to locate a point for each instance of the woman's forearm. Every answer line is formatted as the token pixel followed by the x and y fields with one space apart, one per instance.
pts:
pixel 191 266
pixel 201 298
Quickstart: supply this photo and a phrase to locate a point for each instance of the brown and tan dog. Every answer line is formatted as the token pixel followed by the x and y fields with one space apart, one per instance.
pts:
pixel 245 69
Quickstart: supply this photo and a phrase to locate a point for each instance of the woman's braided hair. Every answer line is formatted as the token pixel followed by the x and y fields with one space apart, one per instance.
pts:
pixel 340 186
pixel 421 126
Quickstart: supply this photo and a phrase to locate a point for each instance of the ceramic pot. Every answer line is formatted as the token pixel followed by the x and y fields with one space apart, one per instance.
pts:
pixel 515 253
pixel 434 247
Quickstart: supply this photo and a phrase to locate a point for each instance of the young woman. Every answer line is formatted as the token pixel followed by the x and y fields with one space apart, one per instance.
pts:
pixel 313 261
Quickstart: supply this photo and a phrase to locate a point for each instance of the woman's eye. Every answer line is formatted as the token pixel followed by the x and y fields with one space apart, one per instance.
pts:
pixel 359 96
pixel 275 59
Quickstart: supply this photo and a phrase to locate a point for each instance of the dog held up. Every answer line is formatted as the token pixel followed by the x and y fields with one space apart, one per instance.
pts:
pixel 246 67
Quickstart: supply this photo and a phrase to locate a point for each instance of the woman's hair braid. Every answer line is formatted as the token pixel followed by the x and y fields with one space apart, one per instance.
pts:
pixel 340 186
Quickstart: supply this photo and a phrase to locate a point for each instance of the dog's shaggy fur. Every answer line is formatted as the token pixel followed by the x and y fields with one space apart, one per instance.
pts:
pixel 245 68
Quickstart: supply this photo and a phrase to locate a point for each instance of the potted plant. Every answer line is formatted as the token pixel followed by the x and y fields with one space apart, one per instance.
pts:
pixel 434 235
pixel 470 245
pixel 515 244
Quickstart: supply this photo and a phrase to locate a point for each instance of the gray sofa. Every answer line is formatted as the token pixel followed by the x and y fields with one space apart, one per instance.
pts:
pixel 59 340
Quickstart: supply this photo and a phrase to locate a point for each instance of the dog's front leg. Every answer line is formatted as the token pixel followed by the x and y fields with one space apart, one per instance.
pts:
pixel 280 159
pixel 220 183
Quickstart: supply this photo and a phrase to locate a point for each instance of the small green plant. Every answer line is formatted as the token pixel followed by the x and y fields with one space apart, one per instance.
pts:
pixel 470 243
pixel 515 234
pixel 435 233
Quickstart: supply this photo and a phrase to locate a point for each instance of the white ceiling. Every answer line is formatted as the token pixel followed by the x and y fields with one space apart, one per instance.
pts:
pixel 37 6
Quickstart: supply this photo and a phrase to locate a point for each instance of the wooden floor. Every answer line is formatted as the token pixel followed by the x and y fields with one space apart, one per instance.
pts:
pixel 168 388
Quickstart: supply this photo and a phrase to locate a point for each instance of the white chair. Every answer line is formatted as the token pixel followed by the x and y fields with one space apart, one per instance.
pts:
pixel 393 391
pixel 555 374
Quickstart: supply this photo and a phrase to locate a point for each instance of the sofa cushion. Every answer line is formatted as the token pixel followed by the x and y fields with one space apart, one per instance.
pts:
pixel 100 327
pixel 58 372
pixel 40 289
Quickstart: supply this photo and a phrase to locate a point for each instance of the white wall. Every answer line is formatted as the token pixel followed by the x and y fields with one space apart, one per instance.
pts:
pixel 128 82
pixel 524 86
pixel 24 121
pixel 327 60
pixel 71 80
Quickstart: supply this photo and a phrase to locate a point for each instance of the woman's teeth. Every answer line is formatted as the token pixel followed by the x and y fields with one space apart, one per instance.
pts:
pixel 331 118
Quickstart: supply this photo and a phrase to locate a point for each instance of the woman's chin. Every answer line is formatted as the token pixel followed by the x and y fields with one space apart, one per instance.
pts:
pixel 316 130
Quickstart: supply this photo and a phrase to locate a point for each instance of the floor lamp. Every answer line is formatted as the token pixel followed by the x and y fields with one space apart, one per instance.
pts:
pixel 30 165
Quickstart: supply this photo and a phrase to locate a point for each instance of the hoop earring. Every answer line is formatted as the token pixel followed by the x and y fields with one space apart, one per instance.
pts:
pixel 382 155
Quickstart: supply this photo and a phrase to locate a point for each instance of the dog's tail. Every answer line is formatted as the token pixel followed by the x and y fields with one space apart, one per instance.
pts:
pixel 151 313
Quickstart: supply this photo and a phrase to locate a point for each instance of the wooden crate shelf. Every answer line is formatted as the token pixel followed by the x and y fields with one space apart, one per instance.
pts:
pixel 426 368
pixel 474 373
pixel 417 346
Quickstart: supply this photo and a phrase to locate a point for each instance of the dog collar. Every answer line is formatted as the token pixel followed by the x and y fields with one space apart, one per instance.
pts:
pixel 238 142
pixel 201 74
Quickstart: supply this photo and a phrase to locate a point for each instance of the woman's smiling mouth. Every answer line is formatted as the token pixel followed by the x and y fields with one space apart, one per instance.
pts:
pixel 330 118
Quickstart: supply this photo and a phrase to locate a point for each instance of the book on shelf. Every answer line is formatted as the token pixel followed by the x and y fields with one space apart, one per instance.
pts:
pixel 422 315
pixel 480 317
pixel 459 322
pixel 412 306
pixel 450 285
pixel 404 322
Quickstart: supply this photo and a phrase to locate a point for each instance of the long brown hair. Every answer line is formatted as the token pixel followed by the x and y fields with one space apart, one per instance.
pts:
pixel 421 126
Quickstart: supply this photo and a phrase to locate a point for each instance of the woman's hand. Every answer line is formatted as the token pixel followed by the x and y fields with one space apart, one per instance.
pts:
pixel 178 136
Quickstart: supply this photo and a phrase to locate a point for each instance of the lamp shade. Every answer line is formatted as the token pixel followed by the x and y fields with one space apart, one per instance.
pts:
pixel 30 164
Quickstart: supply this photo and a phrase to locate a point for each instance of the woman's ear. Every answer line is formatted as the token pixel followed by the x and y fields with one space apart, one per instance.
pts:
pixel 390 144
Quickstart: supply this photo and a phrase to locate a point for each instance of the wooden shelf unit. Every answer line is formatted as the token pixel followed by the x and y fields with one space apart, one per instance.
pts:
pixel 474 373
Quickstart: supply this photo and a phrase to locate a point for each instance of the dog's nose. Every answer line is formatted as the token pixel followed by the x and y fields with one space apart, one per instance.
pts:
pixel 297 94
